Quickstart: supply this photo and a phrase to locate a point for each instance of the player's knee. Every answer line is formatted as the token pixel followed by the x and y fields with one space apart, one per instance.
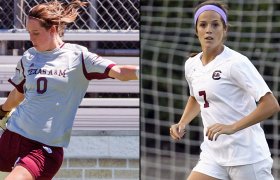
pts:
pixel 20 172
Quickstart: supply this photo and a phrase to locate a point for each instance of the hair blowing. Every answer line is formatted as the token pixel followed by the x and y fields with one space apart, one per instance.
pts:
pixel 57 14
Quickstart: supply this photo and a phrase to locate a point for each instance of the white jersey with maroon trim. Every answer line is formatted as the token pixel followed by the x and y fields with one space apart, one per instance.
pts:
pixel 54 84
pixel 227 89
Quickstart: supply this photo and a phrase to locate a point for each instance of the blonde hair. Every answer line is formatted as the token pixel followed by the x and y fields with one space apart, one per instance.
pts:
pixel 57 14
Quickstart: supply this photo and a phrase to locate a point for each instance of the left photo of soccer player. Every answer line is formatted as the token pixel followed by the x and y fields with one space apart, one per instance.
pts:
pixel 69 90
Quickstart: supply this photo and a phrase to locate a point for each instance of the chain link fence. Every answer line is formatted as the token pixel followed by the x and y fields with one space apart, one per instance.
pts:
pixel 99 15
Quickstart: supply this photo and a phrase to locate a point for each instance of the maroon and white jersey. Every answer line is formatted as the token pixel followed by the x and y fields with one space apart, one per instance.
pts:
pixel 54 84
pixel 227 89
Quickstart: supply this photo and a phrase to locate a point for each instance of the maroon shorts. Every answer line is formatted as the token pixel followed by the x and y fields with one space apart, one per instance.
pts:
pixel 42 161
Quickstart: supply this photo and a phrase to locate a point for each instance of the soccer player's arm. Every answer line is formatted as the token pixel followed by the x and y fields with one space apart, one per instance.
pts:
pixel 16 95
pixel 191 110
pixel 124 72
pixel 106 68
pixel 246 75
pixel 13 100
pixel 267 106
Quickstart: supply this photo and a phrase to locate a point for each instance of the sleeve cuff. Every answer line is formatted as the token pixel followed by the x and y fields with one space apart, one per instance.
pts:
pixel 19 87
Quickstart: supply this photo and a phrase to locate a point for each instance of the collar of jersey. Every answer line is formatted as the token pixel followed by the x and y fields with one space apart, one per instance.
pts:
pixel 47 52
pixel 217 57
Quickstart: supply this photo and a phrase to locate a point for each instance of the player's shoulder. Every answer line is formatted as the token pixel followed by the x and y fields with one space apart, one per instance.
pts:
pixel 237 60
pixel 192 62
pixel 74 47
pixel 28 54
pixel 192 59
pixel 233 55
pixel 29 51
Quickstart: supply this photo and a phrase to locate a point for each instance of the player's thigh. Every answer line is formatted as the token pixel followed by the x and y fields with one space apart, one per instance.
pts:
pixel 199 176
pixel 20 173
pixel 257 171
pixel 208 169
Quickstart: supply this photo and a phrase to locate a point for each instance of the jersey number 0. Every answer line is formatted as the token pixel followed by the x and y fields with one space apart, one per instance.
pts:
pixel 42 85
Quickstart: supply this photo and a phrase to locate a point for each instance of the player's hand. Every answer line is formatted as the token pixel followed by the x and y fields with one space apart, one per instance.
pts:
pixel 3 113
pixel 4 116
pixel 214 131
pixel 177 131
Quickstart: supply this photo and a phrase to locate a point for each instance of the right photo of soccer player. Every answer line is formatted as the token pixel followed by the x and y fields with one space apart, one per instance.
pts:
pixel 210 90
pixel 224 88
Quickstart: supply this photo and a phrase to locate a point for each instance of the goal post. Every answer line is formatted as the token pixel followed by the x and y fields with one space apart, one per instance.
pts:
pixel 167 38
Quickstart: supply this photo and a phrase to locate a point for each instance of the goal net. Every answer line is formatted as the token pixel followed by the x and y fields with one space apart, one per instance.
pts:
pixel 167 38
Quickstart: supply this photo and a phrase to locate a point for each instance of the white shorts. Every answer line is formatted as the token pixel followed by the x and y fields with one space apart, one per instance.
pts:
pixel 258 171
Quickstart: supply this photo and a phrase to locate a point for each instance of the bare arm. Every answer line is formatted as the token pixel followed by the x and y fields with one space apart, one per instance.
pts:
pixel 267 106
pixel 124 72
pixel 191 111
pixel 13 100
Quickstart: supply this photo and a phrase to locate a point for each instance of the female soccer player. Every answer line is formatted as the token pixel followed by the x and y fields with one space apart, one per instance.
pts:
pixel 225 86
pixel 50 81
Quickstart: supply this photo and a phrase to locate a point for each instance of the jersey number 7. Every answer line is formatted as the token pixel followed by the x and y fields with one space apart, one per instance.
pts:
pixel 206 103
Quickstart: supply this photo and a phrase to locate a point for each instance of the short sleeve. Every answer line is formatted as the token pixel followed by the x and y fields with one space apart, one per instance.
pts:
pixel 96 67
pixel 187 78
pixel 245 75
pixel 18 80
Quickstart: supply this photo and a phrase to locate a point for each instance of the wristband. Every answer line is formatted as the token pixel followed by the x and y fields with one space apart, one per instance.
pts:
pixel 3 113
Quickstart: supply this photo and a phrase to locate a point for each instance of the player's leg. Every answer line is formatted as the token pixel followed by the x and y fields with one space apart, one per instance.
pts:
pixel 30 159
pixel 43 161
pixel 199 176
pixel 257 171
pixel 20 173
pixel 207 169
pixel 9 148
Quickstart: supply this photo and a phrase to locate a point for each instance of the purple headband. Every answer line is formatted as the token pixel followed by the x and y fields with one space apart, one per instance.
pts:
pixel 210 8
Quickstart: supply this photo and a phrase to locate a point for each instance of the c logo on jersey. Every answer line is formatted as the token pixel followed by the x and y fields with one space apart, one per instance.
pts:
pixel 216 75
